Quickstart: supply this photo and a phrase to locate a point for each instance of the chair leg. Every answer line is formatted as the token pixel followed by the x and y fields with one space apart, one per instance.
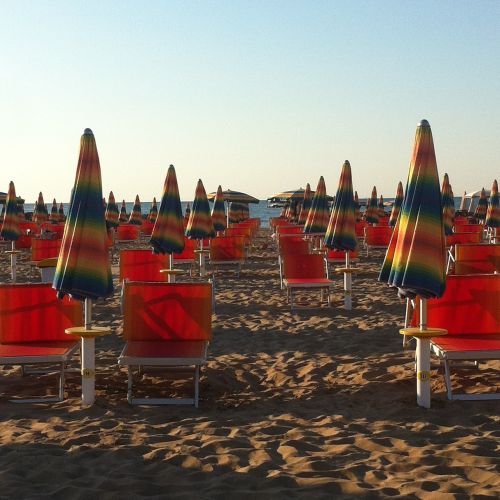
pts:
pixel 61 382
pixel 129 384
pixel 196 385
pixel 447 379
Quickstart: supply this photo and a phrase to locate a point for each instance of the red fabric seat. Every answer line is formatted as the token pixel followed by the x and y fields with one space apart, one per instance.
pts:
pixel 477 259
pixel 142 265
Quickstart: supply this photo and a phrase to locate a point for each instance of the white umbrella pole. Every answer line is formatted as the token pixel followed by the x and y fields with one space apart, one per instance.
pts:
pixel 202 260
pixel 171 276
pixel 347 283
pixel 88 360
pixel 13 262
pixel 423 361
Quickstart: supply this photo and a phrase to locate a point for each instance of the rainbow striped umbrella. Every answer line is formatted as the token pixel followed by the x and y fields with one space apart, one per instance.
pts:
pixel 493 212
pixel 482 206
pixel 10 230
pixel 168 231
pixel 381 209
pixel 341 233
pixel 40 214
pixel 448 205
pixel 396 207
pixel 187 213
pixel 219 212
pixel 83 270
pixel 462 202
pixel 318 216
pixel 371 213
pixel 234 212
pixel 54 213
pixel 356 206
pixel 306 205
pixel 153 212
pixel 200 225
pixel 415 259
pixel 245 211
pixel 136 214
pixel 123 213
pixel 60 212
pixel 112 215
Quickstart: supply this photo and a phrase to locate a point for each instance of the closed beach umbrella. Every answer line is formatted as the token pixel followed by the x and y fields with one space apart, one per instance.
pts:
pixel 234 213
pixel 448 205
pixel 219 212
pixel 40 215
pixel 112 215
pixel 493 212
pixel 123 213
pixel 168 231
pixel 136 214
pixel 356 206
pixel 416 256
pixel 396 208
pixel 229 195
pixel 381 210
pixel 153 212
pixel 200 224
pixel 306 205
pixel 10 230
pixel 187 213
pixel 83 270
pixel 60 212
pixel 371 213
pixel 482 206
pixel 318 216
pixel 341 231
pixel 54 212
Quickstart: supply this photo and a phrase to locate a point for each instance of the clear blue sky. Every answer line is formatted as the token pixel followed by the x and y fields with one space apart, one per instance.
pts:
pixel 258 96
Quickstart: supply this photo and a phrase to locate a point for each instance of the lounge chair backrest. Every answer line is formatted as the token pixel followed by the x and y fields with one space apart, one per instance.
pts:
pixel 378 235
pixel 293 245
pixel 142 265
pixel 461 238
pixel 468 228
pixel 188 251
pixel 340 255
pixel 470 305
pixel 167 311
pixel 32 312
pixel 360 228
pixel 127 232
pixel 44 249
pixel 479 258
pixel 227 248
pixel 289 230
pixel 305 266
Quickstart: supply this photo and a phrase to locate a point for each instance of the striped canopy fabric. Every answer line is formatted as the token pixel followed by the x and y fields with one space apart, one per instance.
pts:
pixel 381 209
pixel 219 211
pixel 415 260
pixel 112 214
pixel 371 212
pixel 168 231
pixel 54 212
pixel 341 233
pixel 318 216
pixel 357 213
pixel 123 213
pixel 448 205
pixel 200 224
pixel 136 214
pixel 153 212
pixel 396 207
pixel 83 269
pixel 10 230
pixel 60 212
pixel 237 196
pixel 482 206
pixel 306 205
pixel 493 212
pixel 40 214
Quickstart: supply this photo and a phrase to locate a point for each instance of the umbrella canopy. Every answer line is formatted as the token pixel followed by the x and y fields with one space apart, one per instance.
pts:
pixel 40 214
pixel 200 224
pixel 219 211
pixel 136 214
pixel 318 216
pixel 415 259
pixel 236 196
pixel 372 213
pixel 123 213
pixel 235 212
pixel 60 212
pixel 448 205
pixel 54 212
pixel 306 204
pixel 396 207
pixel 493 212
pixel 356 206
pixel 153 212
pixel 482 206
pixel 341 233
pixel 112 214
pixel 187 213
pixel 294 194
pixel 83 270
pixel 381 210
pixel 168 231
pixel 10 230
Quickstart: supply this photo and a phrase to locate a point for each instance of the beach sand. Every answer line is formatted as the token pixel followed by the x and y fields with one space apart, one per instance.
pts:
pixel 316 404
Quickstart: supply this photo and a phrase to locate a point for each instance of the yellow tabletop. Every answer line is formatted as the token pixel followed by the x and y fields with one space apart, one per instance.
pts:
pixel 173 271
pixel 205 250
pixel 89 333
pixel 428 332
pixel 346 270
pixel 50 262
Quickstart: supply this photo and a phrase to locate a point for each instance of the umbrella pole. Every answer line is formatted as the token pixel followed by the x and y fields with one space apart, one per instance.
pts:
pixel 347 283
pixel 88 359
pixel 13 262
pixel 423 361
pixel 202 260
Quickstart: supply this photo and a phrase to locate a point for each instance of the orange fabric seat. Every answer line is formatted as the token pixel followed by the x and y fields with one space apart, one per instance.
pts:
pixel 166 324
pixel 227 251
pixel 32 328
pixel 461 238
pixel 142 265
pixel 377 237
pixel 468 228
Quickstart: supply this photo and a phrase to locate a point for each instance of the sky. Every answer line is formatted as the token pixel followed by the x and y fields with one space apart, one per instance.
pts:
pixel 258 96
